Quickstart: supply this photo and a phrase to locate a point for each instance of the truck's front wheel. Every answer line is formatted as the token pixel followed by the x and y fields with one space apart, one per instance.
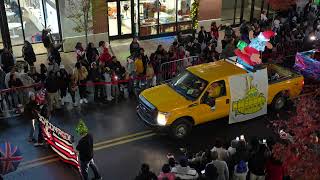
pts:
pixel 279 102
pixel 181 128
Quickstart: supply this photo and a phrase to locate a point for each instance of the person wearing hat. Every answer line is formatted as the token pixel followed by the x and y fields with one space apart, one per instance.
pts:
pixel 85 148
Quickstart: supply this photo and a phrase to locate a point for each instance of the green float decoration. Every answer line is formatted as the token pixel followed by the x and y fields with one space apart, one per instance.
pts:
pixel 241 45
pixel 81 128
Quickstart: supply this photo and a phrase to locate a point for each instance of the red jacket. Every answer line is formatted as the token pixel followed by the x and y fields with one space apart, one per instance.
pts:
pixel 105 56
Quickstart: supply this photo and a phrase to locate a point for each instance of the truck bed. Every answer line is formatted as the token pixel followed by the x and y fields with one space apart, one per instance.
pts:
pixel 277 73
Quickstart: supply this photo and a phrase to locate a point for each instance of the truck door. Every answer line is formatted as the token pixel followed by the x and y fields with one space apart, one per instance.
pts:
pixel 214 103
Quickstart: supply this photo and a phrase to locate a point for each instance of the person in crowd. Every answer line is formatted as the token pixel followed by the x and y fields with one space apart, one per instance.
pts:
pixel 172 162
pixel 7 60
pixel 145 173
pixel 274 169
pixel 228 32
pixel 34 74
pixel 43 72
pixel 105 57
pixel 228 51
pixel 166 173
pixel 240 171
pixel 92 53
pixel 233 148
pixel 80 74
pixel 139 67
pixel 54 54
pixel 72 88
pixel 173 51
pixel 52 89
pixel 17 95
pixel 211 173
pixel 62 82
pixel 107 77
pixel 161 54
pixel 150 75
pixel 28 53
pixel 183 171
pixel 181 53
pixel 47 39
pixel 85 148
pixel 222 152
pixel 240 156
pixel 145 59
pixel 134 47
pixel 102 46
pixel 197 47
pixel 215 30
pixel 81 55
pixel 30 114
pixel 52 65
pixel 263 18
pixel 221 166
pixel 257 163
pixel 202 37
pixel 96 77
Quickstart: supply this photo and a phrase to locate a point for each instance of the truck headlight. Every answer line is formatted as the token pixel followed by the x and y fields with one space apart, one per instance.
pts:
pixel 162 118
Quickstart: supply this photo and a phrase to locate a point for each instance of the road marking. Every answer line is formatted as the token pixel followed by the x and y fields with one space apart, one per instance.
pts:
pixel 38 159
pixel 123 142
pixel 98 146
pixel 121 138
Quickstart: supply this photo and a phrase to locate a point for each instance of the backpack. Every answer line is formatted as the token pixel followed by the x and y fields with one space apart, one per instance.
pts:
pixel 242 167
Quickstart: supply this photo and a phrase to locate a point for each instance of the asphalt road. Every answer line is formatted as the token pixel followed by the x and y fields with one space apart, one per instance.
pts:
pixel 122 141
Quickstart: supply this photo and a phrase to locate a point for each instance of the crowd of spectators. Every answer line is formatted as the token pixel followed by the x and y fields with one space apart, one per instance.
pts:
pixel 238 160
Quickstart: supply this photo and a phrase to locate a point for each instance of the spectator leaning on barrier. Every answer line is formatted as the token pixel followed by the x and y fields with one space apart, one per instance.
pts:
pixel 95 76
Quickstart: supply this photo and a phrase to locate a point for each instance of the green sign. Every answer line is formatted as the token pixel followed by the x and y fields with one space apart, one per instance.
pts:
pixel 241 45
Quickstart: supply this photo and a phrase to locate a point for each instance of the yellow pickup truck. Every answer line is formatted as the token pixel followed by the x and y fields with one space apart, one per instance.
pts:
pixel 171 105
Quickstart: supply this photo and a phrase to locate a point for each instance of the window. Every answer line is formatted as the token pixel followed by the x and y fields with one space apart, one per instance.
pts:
pixel 227 11
pixel 70 22
pixel 32 19
pixel 214 91
pixel 148 10
pixel 184 14
pixel 14 22
pixel 167 16
pixel 189 85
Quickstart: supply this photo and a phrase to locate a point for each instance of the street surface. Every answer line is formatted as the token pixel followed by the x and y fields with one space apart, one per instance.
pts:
pixel 122 142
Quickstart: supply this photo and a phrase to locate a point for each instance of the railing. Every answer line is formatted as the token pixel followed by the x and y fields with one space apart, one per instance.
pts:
pixel 169 70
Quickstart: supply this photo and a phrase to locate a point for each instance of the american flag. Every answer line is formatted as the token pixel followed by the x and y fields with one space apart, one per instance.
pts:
pixel 10 157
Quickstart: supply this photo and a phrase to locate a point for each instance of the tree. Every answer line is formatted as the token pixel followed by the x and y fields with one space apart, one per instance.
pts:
pixel 195 15
pixel 280 5
pixel 78 12
pixel 301 154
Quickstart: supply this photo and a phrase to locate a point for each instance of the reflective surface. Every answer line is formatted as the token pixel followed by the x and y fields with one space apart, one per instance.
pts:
pixel 126 18
pixel 113 18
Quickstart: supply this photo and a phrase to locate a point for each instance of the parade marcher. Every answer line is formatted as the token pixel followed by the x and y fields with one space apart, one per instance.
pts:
pixel 85 148
pixel 28 53
pixel 30 114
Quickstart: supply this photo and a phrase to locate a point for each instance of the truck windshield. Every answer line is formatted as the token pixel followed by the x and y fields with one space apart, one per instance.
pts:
pixel 188 85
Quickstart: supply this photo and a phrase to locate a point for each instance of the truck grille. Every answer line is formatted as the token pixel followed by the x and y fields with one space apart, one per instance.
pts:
pixel 147 111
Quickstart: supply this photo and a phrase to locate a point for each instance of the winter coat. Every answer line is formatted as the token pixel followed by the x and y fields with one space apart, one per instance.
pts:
pixel 91 54
pixel 7 61
pixel 28 54
pixel 80 74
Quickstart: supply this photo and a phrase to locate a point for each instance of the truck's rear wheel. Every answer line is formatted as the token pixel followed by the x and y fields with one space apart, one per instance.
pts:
pixel 279 102
pixel 181 128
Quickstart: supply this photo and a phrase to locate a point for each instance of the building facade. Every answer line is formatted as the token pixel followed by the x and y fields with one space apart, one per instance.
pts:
pixel 22 20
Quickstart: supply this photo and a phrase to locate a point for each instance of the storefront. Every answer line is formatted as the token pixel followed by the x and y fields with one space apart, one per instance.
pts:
pixel 113 19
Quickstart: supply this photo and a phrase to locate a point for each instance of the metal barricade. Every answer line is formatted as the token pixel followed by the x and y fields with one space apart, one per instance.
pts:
pixel 171 69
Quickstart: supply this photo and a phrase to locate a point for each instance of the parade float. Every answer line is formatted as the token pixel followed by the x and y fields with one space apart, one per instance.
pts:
pixel 308 64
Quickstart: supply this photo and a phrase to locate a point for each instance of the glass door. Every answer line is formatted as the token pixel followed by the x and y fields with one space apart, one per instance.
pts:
pixel 120 18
